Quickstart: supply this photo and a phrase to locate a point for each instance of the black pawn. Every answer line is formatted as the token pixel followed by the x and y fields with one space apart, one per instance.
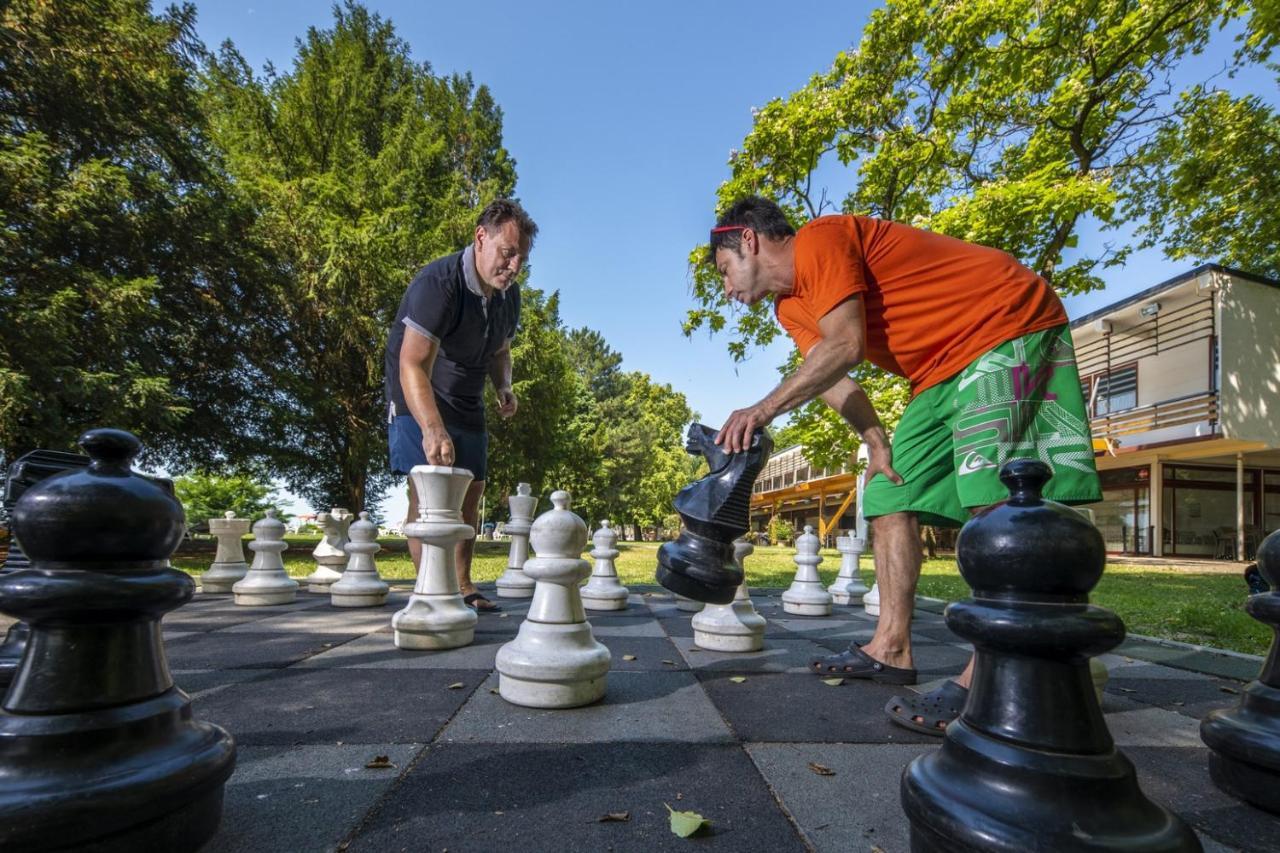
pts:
pixel 28 470
pixel 1029 765
pixel 98 750
pixel 715 511
pixel 1244 741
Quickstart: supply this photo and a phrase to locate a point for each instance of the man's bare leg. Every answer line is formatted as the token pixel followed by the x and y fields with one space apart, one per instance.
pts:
pixel 463 550
pixel 897 558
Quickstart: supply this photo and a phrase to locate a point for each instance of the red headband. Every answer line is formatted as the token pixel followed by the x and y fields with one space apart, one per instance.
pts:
pixel 720 229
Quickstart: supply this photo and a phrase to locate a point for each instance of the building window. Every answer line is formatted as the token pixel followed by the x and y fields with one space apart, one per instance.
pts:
pixel 1112 392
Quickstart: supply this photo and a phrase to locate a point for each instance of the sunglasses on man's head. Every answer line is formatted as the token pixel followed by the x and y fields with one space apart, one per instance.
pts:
pixel 721 229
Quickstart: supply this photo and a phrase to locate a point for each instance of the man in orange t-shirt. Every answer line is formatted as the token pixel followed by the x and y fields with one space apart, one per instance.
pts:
pixel 985 344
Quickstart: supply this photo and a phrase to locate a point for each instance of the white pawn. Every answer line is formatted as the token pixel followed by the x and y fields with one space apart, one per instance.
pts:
pixel 848 587
pixel 266 583
pixel 554 661
pixel 328 555
pixel 360 585
pixel 228 564
pixel 871 601
pixel 604 591
pixel 513 583
pixel 688 605
pixel 806 596
pixel 436 617
pixel 734 627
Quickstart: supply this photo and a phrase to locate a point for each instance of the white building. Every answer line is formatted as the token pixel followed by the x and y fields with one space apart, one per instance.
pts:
pixel 1183 381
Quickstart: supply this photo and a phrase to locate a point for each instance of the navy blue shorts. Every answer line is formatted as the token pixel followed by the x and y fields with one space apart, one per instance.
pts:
pixel 404 437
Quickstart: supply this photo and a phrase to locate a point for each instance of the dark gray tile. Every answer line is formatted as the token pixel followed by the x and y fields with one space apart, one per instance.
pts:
pixel 269 650
pixel 479 797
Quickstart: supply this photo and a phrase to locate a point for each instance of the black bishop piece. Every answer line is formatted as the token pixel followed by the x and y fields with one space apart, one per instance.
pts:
pixel 98 749
pixel 1245 740
pixel 1029 765
pixel 715 510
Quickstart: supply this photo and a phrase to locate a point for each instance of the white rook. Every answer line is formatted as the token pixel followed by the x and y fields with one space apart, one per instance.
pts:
pixel 554 661
pixel 513 583
pixel 436 617
pixel 733 627
pixel 848 587
pixel 604 591
pixel 228 564
pixel 360 585
pixel 266 583
pixel 806 596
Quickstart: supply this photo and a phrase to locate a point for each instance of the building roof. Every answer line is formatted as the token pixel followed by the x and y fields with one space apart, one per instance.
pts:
pixel 1181 278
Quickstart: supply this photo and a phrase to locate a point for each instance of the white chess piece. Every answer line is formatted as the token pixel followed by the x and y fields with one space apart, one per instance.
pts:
pixel 436 617
pixel 554 661
pixel 848 587
pixel 360 585
pixel 329 554
pixel 603 590
pixel 513 582
pixel 734 627
pixel 870 599
pixel 228 564
pixel 688 605
pixel 806 596
pixel 266 582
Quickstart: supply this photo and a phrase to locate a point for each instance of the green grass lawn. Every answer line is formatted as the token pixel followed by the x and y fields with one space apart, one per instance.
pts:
pixel 1203 607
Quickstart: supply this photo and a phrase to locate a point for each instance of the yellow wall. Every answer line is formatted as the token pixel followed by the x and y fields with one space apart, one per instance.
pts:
pixel 1250 384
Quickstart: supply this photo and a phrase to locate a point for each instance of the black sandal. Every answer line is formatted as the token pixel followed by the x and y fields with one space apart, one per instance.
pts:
pixel 853 662
pixel 929 713
pixel 473 601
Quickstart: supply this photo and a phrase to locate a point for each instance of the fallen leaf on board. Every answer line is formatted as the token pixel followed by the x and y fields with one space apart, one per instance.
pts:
pixel 833 682
pixel 738 679
pixel 628 657
pixel 685 824
pixel 457 685
pixel 380 762
pixel 820 769
pixel 614 817
pixel 1228 689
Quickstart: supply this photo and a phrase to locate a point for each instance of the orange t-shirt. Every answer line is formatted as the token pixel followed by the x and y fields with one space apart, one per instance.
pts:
pixel 933 303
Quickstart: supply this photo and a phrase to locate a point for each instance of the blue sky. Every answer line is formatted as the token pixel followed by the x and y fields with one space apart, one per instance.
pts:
pixel 621 117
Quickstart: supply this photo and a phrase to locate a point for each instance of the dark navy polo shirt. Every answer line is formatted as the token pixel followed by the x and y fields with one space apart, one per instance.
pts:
pixel 468 328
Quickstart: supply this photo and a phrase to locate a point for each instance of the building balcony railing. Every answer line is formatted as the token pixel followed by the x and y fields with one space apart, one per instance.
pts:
pixel 1191 416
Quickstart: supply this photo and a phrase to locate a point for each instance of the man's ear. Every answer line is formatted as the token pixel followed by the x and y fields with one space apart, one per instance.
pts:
pixel 752 241
pixel 481 235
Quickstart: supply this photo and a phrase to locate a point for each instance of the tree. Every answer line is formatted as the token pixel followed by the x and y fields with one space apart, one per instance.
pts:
pixel 120 244
pixel 1005 124
pixel 205 496
pixel 362 166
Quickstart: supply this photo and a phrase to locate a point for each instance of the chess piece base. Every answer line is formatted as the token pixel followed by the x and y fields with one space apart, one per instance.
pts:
pixel 266 594
pixel 844 598
pixel 1244 744
pixel 600 600
pixel 543 694
pixel 699 568
pixel 514 583
pixel 434 622
pixel 321 579
pixel 728 642
pixel 222 576
pixel 1057 802
pixel 358 599
pixel 871 601
pixel 168 796
pixel 800 608
pixel 553 665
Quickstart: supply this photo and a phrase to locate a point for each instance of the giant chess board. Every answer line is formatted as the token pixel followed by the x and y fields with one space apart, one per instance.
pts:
pixel 772 756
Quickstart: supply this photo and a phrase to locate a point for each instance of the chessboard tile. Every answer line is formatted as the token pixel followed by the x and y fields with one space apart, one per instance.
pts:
pixel 349 706
pixel 1207 661
pixel 379 651
pixel 637 706
pixel 651 654
pixel 305 798
pixel 325 619
pixel 485 797
pixel 856 808
pixel 257 650
pixel 787 708
pixel 777 656
pixel 1193 697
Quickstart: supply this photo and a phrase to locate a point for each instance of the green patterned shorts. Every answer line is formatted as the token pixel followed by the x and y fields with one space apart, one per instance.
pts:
pixel 1020 400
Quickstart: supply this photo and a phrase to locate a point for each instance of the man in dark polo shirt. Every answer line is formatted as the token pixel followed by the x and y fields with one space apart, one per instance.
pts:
pixel 454 328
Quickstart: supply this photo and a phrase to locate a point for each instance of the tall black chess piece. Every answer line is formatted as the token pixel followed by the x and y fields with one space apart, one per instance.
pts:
pixel 23 474
pixel 98 750
pixel 1245 740
pixel 715 511
pixel 1029 765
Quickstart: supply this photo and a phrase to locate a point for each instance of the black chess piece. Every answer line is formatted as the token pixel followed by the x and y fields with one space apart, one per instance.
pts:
pixel 98 749
pixel 1244 741
pixel 28 470
pixel 1029 765
pixel 715 510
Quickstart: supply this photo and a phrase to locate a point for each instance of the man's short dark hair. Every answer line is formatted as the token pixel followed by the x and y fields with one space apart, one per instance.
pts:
pixel 759 214
pixel 503 210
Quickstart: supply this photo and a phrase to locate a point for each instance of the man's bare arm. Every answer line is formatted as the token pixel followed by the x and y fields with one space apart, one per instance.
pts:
pixel 417 357
pixel 842 347
pixel 500 375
